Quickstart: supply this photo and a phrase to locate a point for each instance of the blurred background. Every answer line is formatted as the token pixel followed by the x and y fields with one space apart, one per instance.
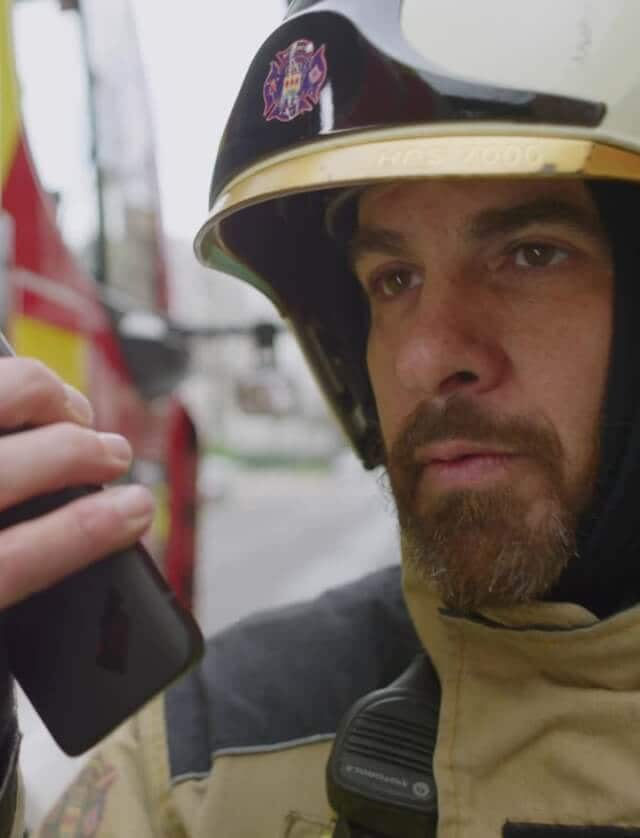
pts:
pixel 285 504
pixel 281 508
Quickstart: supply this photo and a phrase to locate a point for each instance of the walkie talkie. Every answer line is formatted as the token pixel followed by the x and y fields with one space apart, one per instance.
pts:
pixel 91 650
pixel 380 777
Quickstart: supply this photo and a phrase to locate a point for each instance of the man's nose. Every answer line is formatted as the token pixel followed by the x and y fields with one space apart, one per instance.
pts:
pixel 451 344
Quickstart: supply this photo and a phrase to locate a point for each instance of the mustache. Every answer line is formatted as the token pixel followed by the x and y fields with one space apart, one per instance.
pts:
pixel 461 418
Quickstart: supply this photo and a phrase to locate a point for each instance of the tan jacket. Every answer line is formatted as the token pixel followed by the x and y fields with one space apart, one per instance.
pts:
pixel 540 724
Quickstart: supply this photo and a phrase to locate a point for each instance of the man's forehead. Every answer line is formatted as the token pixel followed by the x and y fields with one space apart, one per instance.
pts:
pixel 469 195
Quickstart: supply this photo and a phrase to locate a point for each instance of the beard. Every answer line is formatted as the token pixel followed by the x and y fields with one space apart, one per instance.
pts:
pixel 497 546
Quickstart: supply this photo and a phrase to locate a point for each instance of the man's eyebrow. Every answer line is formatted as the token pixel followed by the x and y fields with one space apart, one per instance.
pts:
pixel 376 240
pixel 541 210
pixel 486 223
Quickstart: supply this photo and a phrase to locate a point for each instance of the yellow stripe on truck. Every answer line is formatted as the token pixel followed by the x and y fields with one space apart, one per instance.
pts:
pixel 62 350
pixel 9 120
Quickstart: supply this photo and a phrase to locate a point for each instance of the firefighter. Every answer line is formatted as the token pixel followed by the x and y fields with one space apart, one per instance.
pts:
pixel 443 206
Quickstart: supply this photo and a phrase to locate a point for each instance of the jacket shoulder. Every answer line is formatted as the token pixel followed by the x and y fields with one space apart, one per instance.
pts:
pixel 287 676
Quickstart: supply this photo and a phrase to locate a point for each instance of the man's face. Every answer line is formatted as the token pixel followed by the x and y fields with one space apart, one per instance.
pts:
pixel 491 319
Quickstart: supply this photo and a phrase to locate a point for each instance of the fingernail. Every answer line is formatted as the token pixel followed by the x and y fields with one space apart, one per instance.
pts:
pixel 135 504
pixel 117 447
pixel 78 406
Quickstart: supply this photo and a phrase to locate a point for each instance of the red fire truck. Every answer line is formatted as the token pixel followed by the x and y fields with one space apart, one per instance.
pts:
pixel 82 270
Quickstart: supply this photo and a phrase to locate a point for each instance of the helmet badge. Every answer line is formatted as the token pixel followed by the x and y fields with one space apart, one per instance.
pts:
pixel 294 82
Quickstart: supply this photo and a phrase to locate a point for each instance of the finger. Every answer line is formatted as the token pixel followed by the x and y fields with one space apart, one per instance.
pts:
pixel 43 460
pixel 31 394
pixel 78 406
pixel 38 553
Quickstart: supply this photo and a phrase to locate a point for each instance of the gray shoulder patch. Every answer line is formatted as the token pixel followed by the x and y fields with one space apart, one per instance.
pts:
pixel 287 676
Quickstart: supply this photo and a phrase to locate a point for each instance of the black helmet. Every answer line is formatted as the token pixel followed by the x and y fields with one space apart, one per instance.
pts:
pixel 347 93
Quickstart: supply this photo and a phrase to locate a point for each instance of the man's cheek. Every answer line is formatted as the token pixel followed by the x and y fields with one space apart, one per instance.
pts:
pixel 391 421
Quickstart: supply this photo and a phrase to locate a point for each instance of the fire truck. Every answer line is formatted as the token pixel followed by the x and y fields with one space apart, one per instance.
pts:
pixel 83 279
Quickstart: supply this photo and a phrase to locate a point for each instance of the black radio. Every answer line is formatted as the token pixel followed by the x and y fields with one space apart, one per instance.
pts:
pixel 380 773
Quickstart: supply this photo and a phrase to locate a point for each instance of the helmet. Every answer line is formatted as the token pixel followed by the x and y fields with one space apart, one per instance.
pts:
pixel 347 93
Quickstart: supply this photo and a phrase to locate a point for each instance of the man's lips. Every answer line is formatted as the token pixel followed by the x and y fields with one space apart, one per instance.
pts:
pixel 463 463
pixel 452 450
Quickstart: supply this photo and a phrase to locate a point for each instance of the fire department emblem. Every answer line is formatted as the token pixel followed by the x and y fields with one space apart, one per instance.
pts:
pixel 79 812
pixel 294 82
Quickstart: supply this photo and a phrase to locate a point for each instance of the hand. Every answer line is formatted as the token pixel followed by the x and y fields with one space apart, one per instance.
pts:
pixel 59 449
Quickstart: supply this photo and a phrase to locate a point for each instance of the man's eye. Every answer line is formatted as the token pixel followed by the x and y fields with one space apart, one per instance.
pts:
pixel 538 255
pixel 391 283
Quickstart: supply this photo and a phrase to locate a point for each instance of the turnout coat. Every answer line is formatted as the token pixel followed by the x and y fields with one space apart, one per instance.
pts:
pixel 539 731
